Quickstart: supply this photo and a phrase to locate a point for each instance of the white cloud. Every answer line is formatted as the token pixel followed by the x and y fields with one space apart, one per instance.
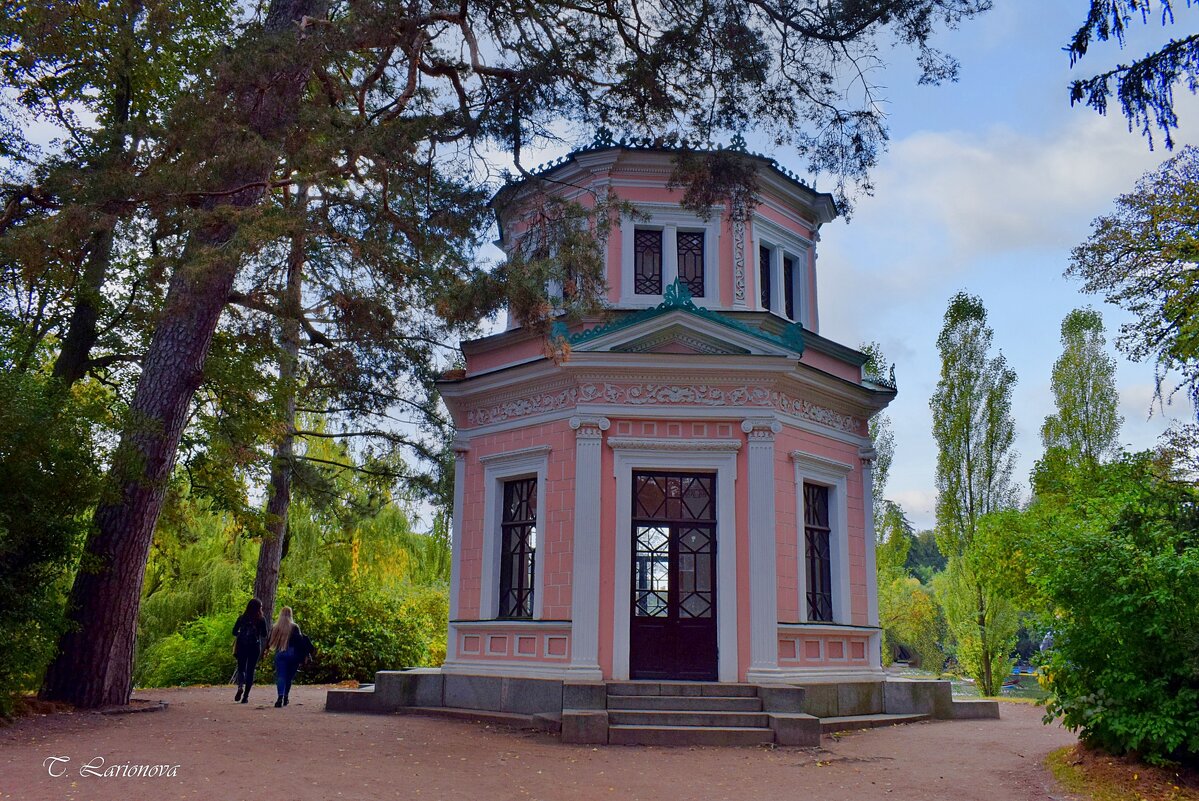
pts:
pixel 919 505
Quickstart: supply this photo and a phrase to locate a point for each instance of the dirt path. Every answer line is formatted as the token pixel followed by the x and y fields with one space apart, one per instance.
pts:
pixel 233 752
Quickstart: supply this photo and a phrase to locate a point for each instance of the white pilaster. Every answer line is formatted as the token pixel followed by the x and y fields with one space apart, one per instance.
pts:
pixel 461 449
pixel 763 565
pixel 585 584
pixel 868 455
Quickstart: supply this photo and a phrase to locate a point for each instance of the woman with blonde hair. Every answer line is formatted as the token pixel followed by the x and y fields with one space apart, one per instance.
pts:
pixel 291 649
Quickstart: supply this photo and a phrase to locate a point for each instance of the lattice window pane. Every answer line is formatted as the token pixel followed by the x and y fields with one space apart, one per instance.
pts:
pixel 789 288
pixel 764 275
pixel 691 261
pixel 818 552
pixel 647 262
pixel 518 545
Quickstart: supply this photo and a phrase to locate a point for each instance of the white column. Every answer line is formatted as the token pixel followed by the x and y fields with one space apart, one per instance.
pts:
pixel 461 449
pixel 670 255
pixel 779 299
pixel 763 564
pixel 584 580
pixel 868 455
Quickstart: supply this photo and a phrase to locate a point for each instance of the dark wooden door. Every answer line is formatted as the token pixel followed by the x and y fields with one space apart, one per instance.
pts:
pixel 672 634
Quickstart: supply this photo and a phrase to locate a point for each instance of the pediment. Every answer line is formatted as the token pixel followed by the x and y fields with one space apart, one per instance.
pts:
pixel 680 339
pixel 681 332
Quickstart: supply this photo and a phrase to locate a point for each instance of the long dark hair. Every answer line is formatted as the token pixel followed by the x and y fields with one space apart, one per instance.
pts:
pixel 253 610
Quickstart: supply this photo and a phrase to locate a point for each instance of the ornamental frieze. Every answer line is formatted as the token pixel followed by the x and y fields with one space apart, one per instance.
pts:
pixel 709 395
pixel 522 407
pixel 649 394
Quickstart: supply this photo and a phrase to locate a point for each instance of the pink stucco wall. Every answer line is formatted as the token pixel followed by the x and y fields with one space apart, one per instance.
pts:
pixel 554 546
pixel 511 642
pixel 823 649
pixel 789 541
pixel 555 551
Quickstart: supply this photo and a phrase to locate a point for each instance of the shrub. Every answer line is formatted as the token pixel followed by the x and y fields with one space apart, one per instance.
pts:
pixel 358 630
pixel 200 653
pixel 1116 556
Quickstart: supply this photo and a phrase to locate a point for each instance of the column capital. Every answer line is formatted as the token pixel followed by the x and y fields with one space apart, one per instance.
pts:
pixel 868 457
pixel 460 447
pixel 589 426
pixel 761 428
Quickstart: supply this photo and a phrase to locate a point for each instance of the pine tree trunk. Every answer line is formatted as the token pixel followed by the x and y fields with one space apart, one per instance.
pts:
pixel 94 666
pixel 74 355
pixel 270 555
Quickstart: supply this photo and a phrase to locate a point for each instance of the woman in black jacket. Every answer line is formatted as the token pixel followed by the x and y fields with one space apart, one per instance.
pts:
pixel 249 638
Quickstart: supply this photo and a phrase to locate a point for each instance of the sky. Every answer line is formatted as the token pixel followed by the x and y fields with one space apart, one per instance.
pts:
pixel 987 186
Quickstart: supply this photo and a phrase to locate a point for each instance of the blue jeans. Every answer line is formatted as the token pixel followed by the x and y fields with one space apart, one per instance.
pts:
pixel 286 666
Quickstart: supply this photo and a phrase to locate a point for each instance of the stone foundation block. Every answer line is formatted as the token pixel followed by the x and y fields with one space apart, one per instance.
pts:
pixel 795 728
pixel 782 698
pixel 584 726
pixel 585 695
pixel 975 710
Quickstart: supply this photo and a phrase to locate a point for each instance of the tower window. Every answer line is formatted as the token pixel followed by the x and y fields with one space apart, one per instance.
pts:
pixel 691 261
pixel 647 262
pixel 764 276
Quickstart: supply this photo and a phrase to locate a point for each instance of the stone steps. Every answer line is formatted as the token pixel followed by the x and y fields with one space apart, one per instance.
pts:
pixel 678 717
pixel 690 688
pixel 688 735
pixel 856 722
pixel 707 703
pixel 691 713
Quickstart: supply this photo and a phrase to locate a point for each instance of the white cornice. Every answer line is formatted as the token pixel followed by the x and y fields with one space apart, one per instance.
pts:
pixel 511 456
pixel 812 462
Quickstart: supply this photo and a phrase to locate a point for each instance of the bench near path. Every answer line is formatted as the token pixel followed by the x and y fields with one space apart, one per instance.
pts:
pixel 231 752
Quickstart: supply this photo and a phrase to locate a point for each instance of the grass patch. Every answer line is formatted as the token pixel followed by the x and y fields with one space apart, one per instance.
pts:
pixel 1095 775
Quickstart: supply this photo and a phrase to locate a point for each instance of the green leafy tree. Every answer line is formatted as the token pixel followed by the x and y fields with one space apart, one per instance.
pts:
pixel 908 613
pixel 882 433
pixel 1112 555
pixel 1144 257
pixel 1145 87
pixel 980 615
pixel 974 431
pixel 1087 423
pixel 47 483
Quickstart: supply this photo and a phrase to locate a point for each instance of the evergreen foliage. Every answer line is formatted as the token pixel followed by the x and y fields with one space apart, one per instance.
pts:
pixel 924 557
pixel 1145 87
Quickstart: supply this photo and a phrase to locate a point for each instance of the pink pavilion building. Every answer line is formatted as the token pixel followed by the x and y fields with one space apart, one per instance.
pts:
pixel 681 507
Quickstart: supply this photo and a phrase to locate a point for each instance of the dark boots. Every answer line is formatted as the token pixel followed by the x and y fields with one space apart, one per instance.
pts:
pixel 245 699
pixel 237 697
pixel 285 700
pixel 279 703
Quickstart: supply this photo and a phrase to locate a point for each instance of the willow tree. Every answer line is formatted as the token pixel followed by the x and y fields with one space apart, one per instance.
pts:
pixel 974 431
pixel 343 97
